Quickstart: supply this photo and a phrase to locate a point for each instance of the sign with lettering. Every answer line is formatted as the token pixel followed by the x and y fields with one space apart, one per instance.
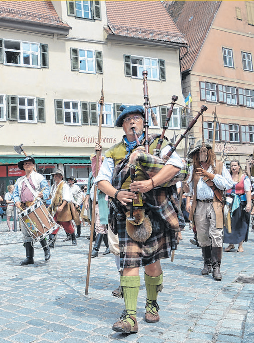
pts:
pixel 15 171
pixel 234 149
pixel 85 140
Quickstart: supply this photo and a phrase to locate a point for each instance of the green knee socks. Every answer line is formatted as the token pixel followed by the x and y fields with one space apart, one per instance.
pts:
pixel 153 286
pixel 130 286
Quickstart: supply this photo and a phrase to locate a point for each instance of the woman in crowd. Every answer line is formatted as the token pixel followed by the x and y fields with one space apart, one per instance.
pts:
pixel 241 207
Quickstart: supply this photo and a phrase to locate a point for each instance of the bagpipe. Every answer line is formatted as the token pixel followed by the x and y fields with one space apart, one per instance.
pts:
pixel 151 164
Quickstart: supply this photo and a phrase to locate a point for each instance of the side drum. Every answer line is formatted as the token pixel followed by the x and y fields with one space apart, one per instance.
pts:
pixel 38 221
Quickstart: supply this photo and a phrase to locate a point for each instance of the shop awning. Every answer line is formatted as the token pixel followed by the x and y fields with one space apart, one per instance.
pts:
pixel 47 159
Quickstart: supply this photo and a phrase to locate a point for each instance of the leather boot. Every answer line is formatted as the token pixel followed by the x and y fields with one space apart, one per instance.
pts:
pixel 194 240
pixel 105 240
pixel 206 251
pixel 46 249
pixel 73 238
pixel 52 238
pixel 97 245
pixel 78 231
pixel 29 254
pixel 216 262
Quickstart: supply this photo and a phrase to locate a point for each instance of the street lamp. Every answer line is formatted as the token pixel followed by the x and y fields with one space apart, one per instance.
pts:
pixel 191 141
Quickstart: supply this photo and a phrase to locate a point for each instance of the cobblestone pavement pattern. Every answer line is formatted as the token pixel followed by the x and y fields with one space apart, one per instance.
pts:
pixel 46 302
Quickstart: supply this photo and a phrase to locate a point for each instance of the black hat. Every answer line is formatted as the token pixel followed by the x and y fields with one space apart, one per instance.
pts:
pixel 198 147
pixel 129 110
pixel 27 158
pixel 71 178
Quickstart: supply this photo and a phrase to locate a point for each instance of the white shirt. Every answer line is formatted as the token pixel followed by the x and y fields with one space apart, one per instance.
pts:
pixel 66 193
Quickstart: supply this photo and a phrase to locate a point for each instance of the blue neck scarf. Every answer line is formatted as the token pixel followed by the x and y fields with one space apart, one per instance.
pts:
pixel 131 145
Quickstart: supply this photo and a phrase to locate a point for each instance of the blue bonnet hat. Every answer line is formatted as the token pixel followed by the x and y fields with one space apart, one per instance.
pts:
pixel 129 110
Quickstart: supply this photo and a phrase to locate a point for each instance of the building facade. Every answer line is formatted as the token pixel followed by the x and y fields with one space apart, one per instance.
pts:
pixel 55 57
pixel 218 71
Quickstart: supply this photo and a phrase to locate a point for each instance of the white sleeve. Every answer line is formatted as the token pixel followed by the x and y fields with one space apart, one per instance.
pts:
pixel 247 184
pixel 175 160
pixel 223 181
pixel 106 171
pixel 67 195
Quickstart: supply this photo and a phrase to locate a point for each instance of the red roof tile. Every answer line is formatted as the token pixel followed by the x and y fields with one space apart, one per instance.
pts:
pixel 42 12
pixel 142 19
pixel 194 20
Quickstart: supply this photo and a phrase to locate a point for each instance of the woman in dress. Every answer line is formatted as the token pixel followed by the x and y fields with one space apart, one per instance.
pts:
pixel 241 206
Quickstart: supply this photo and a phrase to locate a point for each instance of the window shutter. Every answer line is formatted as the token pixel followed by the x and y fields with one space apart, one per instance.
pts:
pixel 222 93
pixel 59 111
pixel 127 65
pixel 84 113
pixel 74 59
pixel 163 115
pixel 41 117
pixel 1 51
pixel 13 107
pixel 202 91
pixel 97 10
pixel 238 13
pixel 162 70
pixel 250 12
pixel 99 62
pixel 93 113
pixel 44 56
pixel 116 111
pixel 71 9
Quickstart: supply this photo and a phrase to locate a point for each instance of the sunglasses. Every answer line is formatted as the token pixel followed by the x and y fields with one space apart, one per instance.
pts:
pixel 135 118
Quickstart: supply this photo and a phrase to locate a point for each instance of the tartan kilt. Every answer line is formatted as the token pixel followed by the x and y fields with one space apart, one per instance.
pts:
pixel 136 254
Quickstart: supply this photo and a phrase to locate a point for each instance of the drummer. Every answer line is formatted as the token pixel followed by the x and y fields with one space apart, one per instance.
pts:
pixel 26 189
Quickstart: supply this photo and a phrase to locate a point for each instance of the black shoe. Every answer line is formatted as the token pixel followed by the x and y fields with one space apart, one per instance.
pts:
pixel 94 253
pixel 77 235
pixel 46 249
pixel 216 262
pixel 107 251
pixel 78 231
pixel 29 254
pixel 73 238
pixel 52 239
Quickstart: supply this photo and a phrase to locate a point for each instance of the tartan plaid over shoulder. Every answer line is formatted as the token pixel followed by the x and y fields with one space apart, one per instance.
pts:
pixel 162 201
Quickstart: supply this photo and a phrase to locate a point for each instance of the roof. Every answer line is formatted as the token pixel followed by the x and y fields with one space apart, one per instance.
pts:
pixel 194 19
pixel 146 20
pixel 40 13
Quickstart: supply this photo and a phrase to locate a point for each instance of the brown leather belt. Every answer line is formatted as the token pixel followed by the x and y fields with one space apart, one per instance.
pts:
pixel 207 200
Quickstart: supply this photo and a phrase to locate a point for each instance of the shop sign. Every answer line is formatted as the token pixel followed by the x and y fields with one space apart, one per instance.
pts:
pixel 235 149
pixel 88 140
pixel 15 171
pixel 3 171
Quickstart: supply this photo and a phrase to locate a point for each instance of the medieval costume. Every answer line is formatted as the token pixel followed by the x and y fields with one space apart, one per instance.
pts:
pixel 239 198
pixel 26 190
pixel 76 203
pixel 148 238
pixel 207 179
pixel 60 207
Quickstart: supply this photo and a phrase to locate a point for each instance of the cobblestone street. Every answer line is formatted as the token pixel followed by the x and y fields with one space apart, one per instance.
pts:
pixel 46 302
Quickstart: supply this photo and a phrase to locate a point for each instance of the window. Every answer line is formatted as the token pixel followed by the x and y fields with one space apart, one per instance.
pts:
pixel 25 54
pixel 222 93
pixel 174 122
pixel 228 57
pixel 71 112
pixel 208 91
pixel 247 133
pixel 208 131
pixel 234 133
pixel 249 98
pixel 107 114
pixel 26 109
pixel 224 132
pixel 86 61
pixel 231 95
pixel 238 13
pixel 134 67
pixel 2 108
pixel 247 61
pixel 241 97
pixel 250 12
pixel 84 9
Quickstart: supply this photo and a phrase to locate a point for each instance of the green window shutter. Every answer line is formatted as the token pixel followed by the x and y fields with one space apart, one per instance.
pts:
pixel 97 10
pixel 117 111
pixel 84 113
pixel 1 51
pixel 127 65
pixel 59 111
pixel 13 107
pixel 162 70
pixel 163 115
pixel 99 62
pixel 41 117
pixel 71 8
pixel 93 113
pixel 44 56
pixel 74 59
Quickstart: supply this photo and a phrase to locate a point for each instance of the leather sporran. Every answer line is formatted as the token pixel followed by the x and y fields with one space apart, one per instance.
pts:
pixel 139 229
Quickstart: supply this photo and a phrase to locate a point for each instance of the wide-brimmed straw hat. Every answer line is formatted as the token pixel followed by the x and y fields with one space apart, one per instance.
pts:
pixel 26 159
pixel 198 147
pixel 129 110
